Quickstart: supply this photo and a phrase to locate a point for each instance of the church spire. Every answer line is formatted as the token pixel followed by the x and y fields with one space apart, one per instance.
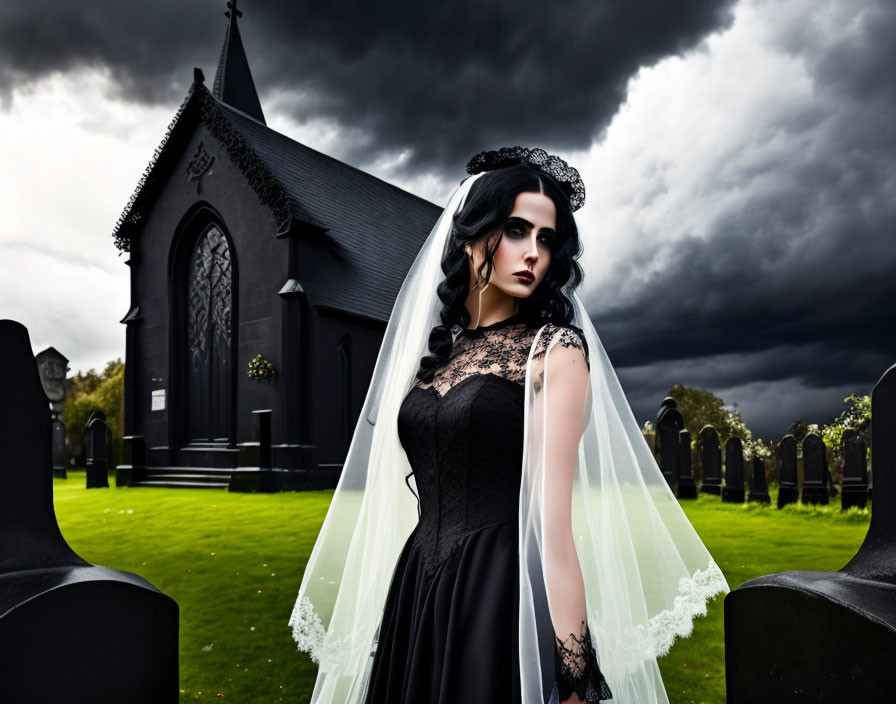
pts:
pixel 233 81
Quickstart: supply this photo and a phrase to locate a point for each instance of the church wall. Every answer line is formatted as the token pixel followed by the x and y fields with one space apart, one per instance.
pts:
pixel 260 266
pixel 331 427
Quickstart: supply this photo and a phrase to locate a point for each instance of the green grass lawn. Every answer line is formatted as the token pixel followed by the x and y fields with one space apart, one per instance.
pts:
pixel 233 563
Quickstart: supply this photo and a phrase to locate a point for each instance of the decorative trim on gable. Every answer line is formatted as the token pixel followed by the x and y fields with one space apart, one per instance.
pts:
pixel 200 106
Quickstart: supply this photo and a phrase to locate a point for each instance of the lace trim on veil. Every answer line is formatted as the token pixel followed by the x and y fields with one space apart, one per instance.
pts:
pixel 310 636
pixel 653 640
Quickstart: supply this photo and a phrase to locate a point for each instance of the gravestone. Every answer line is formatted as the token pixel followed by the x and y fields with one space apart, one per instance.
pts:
pixel 669 424
pixel 666 404
pixel 733 491
pixel 775 624
pixel 815 467
pixel 70 631
pixel 855 471
pixel 687 487
pixel 759 485
pixel 59 453
pixel 52 366
pixel 712 461
pixel 96 449
pixel 788 492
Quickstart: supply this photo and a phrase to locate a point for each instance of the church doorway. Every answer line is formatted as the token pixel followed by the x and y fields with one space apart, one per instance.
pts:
pixel 206 339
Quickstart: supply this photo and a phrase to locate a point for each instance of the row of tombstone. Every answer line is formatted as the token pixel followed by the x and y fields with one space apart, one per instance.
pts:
pixel 673 446
pixel 826 637
pixel 97 441
pixel 70 631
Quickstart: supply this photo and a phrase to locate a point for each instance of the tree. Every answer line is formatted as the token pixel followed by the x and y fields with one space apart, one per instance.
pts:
pixel 700 408
pixel 87 391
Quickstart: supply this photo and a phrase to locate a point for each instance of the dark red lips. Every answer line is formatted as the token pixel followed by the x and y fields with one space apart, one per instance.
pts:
pixel 525 276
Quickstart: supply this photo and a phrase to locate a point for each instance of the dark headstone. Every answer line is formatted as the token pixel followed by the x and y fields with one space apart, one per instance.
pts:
pixel 712 461
pixel 255 471
pixel 855 471
pixel 667 403
pixel 789 492
pixel 69 631
pixel 669 423
pixel 96 449
pixel 687 487
pixel 759 485
pixel 733 491
pixel 59 452
pixel 52 366
pixel 815 469
pixel 775 623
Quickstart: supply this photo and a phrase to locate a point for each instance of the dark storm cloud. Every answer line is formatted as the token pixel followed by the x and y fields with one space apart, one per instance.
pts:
pixel 794 283
pixel 443 81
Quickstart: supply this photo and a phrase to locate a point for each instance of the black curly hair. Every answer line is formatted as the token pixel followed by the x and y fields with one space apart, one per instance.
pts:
pixel 487 206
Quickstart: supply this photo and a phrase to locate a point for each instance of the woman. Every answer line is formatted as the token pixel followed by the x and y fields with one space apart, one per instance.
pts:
pixel 541 531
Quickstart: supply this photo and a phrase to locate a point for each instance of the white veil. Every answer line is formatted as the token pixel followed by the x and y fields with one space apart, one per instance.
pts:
pixel 646 572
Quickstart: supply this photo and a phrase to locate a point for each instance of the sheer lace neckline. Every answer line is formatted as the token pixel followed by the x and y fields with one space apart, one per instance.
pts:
pixel 515 318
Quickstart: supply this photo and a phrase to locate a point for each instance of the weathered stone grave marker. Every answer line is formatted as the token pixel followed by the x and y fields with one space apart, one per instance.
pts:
pixel 733 491
pixel 759 485
pixel 687 487
pixel 669 423
pixel 69 631
pixel 815 490
pixel 775 624
pixel 96 449
pixel 788 492
pixel 712 461
pixel 855 471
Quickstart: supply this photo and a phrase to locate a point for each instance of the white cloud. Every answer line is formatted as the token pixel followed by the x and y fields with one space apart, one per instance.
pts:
pixel 72 156
pixel 699 136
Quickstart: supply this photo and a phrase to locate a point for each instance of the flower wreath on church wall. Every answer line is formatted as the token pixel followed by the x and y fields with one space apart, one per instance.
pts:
pixel 261 368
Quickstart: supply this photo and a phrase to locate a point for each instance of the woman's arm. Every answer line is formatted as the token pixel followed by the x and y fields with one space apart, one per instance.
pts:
pixel 567 378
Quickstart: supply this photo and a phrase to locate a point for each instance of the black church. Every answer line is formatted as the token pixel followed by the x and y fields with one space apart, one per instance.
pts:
pixel 243 242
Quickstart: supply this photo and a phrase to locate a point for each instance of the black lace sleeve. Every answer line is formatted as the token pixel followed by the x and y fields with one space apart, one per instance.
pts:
pixel 569 336
pixel 577 669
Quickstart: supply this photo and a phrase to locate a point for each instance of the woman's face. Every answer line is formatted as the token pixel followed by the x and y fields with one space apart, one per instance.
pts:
pixel 525 246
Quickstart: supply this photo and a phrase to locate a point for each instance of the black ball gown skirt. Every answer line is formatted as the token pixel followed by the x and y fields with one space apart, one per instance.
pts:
pixel 449 629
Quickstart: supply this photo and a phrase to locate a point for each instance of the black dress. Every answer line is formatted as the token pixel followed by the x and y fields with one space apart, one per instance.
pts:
pixel 449 629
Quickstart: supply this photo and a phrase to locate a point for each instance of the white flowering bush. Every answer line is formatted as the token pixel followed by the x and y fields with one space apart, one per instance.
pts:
pixel 857 417
pixel 752 448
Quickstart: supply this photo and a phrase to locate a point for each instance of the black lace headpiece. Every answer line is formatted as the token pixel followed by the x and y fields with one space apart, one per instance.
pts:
pixel 554 166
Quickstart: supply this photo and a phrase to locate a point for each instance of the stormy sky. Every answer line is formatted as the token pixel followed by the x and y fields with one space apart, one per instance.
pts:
pixel 738 157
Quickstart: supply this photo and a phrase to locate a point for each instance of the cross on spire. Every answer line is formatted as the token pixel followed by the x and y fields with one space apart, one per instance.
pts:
pixel 231 7
pixel 233 81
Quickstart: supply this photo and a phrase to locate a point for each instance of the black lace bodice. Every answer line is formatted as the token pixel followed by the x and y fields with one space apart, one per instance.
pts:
pixel 463 435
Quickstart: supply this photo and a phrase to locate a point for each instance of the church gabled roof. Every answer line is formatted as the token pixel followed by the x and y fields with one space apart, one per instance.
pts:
pixel 233 80
pixel 373 228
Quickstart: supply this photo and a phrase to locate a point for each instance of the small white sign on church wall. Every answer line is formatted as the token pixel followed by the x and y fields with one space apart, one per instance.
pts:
pixel 158 400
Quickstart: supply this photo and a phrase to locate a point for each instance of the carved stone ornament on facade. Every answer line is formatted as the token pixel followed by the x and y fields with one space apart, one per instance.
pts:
pixel 200 166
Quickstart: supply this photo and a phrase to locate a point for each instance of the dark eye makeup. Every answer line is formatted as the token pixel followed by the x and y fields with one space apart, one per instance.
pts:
pixel 517 228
